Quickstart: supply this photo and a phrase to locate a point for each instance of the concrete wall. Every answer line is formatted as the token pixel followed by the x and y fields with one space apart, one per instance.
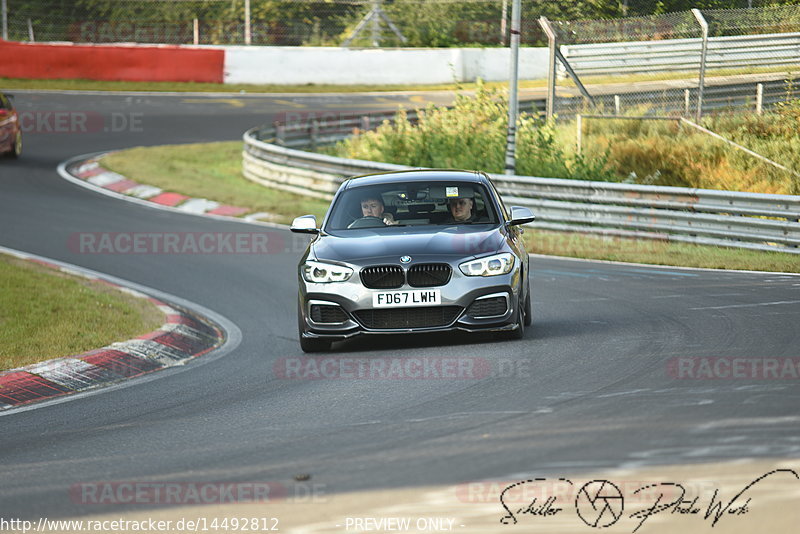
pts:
pixel 340 66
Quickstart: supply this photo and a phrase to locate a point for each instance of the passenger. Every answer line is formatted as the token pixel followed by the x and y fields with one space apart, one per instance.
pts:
pixel 460 210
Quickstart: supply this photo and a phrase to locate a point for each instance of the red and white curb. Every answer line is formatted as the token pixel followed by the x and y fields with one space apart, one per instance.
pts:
pixel 92 172
pixel 184 335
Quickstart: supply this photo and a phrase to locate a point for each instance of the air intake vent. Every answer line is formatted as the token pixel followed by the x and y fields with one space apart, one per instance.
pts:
pixel 396 318
pixel 326 313
pixel 490 307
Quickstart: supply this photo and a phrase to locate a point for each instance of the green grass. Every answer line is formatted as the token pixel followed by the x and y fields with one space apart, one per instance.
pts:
pixel 213 171
pixel 657 252
pixel 46 314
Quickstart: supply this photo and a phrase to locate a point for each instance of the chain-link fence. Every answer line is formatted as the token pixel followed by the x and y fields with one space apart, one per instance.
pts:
pixel 685 63
pixel 386 23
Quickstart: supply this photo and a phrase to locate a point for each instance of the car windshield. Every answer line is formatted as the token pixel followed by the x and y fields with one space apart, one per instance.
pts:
pixel 412 204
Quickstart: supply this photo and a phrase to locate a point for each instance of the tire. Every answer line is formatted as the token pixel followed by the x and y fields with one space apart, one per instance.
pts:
pixel 17 152
pixel 519 333
pixel 528 307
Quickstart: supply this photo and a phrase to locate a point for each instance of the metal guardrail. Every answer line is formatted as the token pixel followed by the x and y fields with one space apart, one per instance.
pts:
pixel 725 218
pixel 737 52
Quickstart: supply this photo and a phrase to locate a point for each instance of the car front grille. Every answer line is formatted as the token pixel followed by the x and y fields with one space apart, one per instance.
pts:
pixel 490 307
pixel 326 313
pixel 396 318
pixel 382 276
pixel 429 275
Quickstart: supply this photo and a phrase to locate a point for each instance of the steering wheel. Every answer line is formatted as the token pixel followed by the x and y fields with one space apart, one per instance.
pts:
pixel 367 222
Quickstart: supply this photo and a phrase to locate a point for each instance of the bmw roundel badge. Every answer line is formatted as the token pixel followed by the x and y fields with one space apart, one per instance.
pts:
pixel 405 259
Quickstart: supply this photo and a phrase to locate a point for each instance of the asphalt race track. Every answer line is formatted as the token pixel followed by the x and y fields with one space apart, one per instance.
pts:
pixel 593 385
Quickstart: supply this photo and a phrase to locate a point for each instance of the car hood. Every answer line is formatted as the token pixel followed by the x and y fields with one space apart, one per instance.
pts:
pixel 372 245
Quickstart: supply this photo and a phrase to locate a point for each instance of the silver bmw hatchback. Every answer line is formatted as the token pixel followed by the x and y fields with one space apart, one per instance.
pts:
pixel 413 251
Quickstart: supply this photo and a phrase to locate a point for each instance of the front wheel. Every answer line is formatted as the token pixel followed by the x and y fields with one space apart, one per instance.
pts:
pixel 519 333
pixel 17 150
pixel 528 307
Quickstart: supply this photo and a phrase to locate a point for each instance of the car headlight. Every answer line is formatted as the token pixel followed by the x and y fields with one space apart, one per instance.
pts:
pixel 489 266
pixel 324 273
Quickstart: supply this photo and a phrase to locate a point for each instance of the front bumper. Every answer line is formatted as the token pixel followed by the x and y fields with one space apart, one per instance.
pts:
pixel 458 296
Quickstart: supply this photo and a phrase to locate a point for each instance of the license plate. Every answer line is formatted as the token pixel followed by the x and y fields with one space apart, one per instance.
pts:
pixel 402 299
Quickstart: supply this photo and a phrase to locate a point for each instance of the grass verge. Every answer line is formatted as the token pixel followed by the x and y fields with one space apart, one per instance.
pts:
pixel 46 314
pixel 657 252
pixel 213 170
pixel 185 87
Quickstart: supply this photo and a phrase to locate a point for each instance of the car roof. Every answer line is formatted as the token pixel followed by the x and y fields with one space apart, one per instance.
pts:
pixel 427 175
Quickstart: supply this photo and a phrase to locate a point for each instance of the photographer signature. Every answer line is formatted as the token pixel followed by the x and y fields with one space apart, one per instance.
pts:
pixel 600 503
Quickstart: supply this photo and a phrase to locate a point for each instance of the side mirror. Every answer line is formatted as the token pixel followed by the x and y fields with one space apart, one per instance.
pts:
pixel 307 224
pixel 520 215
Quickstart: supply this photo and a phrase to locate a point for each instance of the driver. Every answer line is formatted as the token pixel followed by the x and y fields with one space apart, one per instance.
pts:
pixel 372 206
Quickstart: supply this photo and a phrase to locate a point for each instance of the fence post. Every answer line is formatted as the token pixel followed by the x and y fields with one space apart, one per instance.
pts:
pixel 579 122
pixel 365 123
pixel 513 100
pixel 760 98
pixel 247 34
pixel 551 66
pixel 4 9
pixel 31 37
pixel 503 17
pixel 196 31
pixel 686 100
pixel 616 105
pixel 704 27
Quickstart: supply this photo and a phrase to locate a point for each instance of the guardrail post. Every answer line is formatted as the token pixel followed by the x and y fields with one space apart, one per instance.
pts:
pixel 279 134
pixel 704 27
pixel 314 134
pixel 365 123
pixel 760 98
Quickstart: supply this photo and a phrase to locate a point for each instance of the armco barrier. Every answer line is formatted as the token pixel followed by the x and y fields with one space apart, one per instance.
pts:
pixel 703 216
pixel 736 52
pixel 156 63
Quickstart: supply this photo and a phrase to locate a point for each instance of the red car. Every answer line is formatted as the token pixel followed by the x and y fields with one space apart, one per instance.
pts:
pixel 10 132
